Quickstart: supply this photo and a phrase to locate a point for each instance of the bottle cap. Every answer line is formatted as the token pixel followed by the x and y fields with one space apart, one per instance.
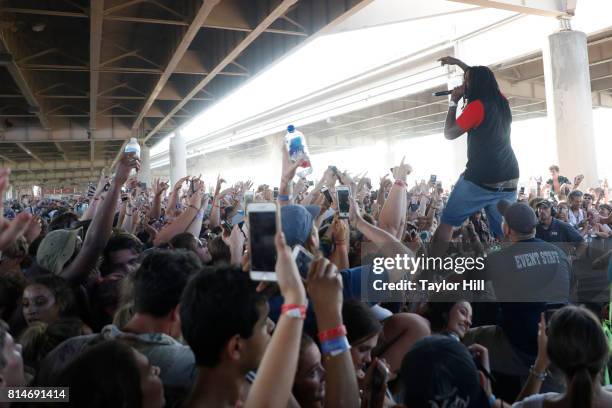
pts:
pixel 290 128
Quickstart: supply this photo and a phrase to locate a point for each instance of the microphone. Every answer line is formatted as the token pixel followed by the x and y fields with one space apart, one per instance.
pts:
pixel 442 93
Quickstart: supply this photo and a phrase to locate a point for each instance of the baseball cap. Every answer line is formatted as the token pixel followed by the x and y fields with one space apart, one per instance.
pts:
pixel 297 221
pixel 519 216
pixel 57 248
pixel 439 371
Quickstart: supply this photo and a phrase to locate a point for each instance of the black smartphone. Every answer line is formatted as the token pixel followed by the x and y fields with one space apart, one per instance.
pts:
pixel 302 259
pixel 275 193
pixel 432 179
pixel 191 187
pixel 310 183
pixel 327 194
pixel 377 391
pixel 522 190
pixel 227 226
pixel 373 195
pixel 343 193
pixel 142 186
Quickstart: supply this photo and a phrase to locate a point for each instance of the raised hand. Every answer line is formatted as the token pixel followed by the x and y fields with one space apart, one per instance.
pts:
pixel 127 162
pixel 289 167
pixel 324 286
pixel 159 187
pixel 10 230
pixel 402 171
pixel 289 281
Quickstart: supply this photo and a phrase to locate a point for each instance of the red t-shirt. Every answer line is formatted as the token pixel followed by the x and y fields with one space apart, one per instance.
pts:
pixel 472 116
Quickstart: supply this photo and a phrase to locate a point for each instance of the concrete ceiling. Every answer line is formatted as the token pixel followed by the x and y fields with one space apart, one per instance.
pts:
pixel 79 77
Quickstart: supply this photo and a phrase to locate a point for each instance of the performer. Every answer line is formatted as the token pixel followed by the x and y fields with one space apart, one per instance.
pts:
pixel 492 171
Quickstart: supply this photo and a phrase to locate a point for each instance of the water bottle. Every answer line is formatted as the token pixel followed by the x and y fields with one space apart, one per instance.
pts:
pixel 298 150
pixel 133 147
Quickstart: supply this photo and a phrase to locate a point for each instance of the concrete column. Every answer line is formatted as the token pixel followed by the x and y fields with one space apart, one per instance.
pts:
pixel 569 104
pixel 144 175
pixel 178 158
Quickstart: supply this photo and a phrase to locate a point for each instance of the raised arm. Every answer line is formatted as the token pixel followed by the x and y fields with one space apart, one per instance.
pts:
pixel 272 387
pixel 159 188
pixel 454 61
pixel 182 222
pixel 287 174
pixel 10 230
pixel 451 129
pixel 393 214
pixel 389 245
pixel 325 290
pixel 102 224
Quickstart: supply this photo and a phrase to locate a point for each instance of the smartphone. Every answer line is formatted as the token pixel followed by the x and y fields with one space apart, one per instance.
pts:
pixel 522 190
pixel 379 379
pixel 142 186
pixel 191 187
pixel 302 258
pixel 227 226
pixel 373 195
pixel 310 183
pixel 432 179
pixel 327 194
pixel 248 198
pixel 262 228
pixel 343 193
pixel 275 193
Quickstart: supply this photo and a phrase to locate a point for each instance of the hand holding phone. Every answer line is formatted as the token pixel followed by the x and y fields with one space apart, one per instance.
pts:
pixel 302 259
pixel 343 194
pixel 262 221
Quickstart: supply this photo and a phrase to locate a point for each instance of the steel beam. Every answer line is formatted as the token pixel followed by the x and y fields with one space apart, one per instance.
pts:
pixel 252 36
pixel 193 29
pixel 32 155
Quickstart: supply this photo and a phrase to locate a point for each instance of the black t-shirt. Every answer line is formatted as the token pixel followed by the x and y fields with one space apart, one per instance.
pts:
pixel 558 231
pixel 490 155
pixel 529 271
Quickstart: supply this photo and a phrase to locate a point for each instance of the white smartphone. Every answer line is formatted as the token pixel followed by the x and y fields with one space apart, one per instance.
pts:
pixel 343 193
pixel 262 228
pixel 302 258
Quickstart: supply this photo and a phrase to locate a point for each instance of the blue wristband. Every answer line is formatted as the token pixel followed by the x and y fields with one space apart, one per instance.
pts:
pixel 283 197
pixel 492 400
pixel 335 346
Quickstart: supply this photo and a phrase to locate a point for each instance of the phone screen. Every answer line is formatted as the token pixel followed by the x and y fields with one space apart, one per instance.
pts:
pixel 432 179
pixel 327 194
pixel 303 260
pixel 262 227
pixel 343 201
pixel 522 191
pixel 275 193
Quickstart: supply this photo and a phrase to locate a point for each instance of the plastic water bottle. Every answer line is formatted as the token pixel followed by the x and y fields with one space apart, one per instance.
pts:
pixel 298 150
pixel 133 147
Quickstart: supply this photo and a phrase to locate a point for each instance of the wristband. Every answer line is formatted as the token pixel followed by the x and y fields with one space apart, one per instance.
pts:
pixel 335 346
pixel 283 197
pixel 540 376
pixel 293 310
pixel 338 331
pixel 400 183
pixel 452 104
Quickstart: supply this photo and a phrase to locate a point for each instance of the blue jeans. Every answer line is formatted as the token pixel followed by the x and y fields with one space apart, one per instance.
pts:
pixel 467 198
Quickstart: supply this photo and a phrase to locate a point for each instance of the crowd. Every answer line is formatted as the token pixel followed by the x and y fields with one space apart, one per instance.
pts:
pixel 140 296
